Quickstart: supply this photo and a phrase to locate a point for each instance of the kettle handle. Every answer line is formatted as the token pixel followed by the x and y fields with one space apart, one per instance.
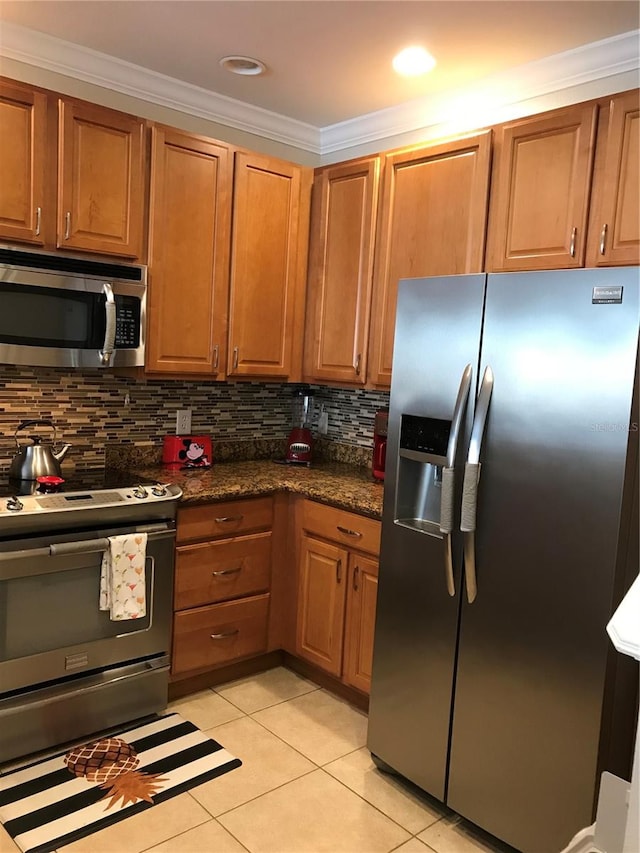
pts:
pixel 26 424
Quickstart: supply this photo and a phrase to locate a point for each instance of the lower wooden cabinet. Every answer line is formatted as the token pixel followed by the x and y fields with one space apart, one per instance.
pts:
pixel 209 636
pixel 222 584
pixel 337 587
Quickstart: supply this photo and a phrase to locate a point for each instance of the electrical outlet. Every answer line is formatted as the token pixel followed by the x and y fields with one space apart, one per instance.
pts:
pixel 183 421
pixel 323 421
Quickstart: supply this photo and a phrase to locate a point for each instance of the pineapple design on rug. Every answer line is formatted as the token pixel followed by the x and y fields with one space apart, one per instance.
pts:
pixel 52 802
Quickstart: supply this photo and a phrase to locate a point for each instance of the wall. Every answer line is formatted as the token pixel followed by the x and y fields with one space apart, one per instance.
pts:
pixel 92 409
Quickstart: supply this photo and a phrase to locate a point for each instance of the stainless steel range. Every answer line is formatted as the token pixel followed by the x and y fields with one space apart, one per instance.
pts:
pixel 67 669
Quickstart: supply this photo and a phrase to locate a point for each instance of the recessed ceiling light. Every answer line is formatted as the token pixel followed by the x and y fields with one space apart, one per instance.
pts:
pixel 243 65
pixel 413 61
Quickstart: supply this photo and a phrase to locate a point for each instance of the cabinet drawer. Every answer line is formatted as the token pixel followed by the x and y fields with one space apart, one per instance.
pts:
pixel 227 518
pixel 209 636
pixel 338 525
pixel 216 571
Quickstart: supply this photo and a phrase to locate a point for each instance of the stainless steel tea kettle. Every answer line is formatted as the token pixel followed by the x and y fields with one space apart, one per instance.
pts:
pixel 36 459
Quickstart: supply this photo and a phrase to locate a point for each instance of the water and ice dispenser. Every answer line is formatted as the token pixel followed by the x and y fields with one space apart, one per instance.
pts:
pixel 422 459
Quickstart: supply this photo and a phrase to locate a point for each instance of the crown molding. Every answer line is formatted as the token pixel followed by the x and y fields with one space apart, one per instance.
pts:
pixel 90 66
pixel 582 65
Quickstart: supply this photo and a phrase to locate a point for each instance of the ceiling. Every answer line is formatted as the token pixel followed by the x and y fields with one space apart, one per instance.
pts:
pixel 327 60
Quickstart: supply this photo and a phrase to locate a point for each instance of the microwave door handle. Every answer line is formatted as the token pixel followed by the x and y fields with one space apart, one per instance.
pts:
pixel 470 484
pixel 110 326
pixel 447 493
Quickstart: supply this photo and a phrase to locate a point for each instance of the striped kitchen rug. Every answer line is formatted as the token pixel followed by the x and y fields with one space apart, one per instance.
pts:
pixel 52 802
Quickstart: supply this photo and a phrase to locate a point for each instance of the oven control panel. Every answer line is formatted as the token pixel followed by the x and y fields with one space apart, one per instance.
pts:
pixel 61 501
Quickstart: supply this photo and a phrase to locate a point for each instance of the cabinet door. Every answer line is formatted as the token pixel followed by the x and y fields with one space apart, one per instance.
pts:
pixel 189 254
pixel 614 236
pixel 432 222
pixel 342 230
pixel 540 191
pixel 268 258
pixel 360 624
pixel 100 180
pixel 23 128
pixel 321 600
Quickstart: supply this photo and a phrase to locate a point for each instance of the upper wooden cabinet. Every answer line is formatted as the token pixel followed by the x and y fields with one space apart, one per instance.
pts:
pixel 342 232
pixel 540 190
pixel 614 228
pixel 432 221
pixel 100 180
pixel 268 266
pixel 188 254
pixel 23 148
pixel 72 175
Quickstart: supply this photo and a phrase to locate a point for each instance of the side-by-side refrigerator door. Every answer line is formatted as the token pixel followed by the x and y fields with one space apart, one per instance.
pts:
pixel 533 647
pixel 434 377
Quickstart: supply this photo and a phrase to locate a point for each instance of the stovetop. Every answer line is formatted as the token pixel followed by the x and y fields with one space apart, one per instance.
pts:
pixel 88 480
pixel 87 498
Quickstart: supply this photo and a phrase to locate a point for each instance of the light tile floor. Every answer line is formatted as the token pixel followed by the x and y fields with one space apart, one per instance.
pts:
pixel 307 785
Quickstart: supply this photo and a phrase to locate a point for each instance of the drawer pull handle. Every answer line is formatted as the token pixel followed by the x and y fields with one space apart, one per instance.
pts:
pixel 339 571
pixel 226 572
pixel 225 519
pixel 225 635
pixel 356 572
pixel 348 532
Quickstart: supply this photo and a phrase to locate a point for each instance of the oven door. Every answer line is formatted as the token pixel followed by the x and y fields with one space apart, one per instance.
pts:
pixel 52 627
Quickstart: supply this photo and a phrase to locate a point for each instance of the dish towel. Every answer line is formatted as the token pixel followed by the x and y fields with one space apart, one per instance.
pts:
pixel 122 577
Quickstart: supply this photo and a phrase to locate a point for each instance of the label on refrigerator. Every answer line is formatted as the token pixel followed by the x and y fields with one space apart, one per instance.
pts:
pixel 607 295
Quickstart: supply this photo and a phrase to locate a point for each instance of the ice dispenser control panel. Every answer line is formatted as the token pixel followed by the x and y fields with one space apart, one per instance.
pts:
pixel 422 456
pixel 425 435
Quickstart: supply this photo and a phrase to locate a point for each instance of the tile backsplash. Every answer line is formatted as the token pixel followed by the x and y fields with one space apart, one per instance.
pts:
pixel 93 409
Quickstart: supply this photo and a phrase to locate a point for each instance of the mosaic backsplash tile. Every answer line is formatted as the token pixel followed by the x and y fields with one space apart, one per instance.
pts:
pixel 94 410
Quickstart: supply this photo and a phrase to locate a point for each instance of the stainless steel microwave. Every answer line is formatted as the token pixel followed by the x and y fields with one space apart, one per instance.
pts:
pixel 59 311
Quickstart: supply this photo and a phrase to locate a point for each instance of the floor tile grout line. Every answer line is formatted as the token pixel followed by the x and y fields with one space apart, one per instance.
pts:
pixel 377 808
pixel 258 796
pixel 273 705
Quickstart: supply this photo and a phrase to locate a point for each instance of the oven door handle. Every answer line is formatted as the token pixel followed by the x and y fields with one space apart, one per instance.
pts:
pixel 85 546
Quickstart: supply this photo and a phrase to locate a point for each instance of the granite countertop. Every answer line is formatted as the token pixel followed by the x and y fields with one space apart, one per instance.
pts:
pixel 335 483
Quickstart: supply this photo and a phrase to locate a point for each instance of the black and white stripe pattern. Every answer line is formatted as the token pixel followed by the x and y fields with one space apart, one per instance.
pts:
pixel 43 806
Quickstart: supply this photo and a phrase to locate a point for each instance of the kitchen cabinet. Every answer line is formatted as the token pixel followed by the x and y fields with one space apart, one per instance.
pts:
pixel 540 190
pixel 222 584
pixel 432 221
pixel 614 229
pixel 190 220
pixel 337 584
pixel 268 265
pixel 89 199
pixel 101 172
pixel 23 119
pixel 342 233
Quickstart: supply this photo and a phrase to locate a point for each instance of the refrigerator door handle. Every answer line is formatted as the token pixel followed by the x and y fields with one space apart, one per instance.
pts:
pixel 470 484
pixel 447 493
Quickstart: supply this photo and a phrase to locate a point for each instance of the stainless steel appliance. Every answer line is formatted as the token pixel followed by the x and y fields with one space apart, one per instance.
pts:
pixel 493 685
pixel 36 459
pixel 66 669
pixel 57 311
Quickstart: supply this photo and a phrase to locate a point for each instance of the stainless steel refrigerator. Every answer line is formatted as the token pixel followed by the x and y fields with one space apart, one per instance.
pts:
pixel 513 415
